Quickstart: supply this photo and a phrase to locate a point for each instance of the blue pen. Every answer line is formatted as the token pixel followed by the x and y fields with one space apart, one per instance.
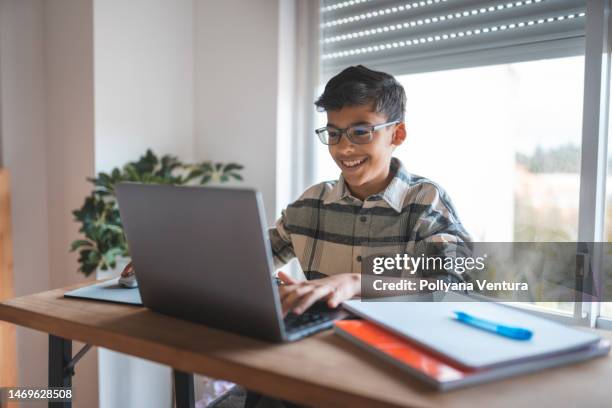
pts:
pixel 516 333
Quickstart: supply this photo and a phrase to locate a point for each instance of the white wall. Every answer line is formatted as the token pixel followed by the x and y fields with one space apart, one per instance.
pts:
pixel 144 99
pixel 68 36
pixel 236 88
pixel 286 93
pixel 143 79
pixel 69 117
pixel 47 130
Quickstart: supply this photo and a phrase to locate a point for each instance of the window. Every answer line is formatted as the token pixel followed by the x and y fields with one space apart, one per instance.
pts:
pixel 498 83
pixel 511 135
pixel 508 79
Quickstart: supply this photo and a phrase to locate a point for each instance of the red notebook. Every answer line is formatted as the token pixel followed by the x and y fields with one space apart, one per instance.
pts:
pixel 439 372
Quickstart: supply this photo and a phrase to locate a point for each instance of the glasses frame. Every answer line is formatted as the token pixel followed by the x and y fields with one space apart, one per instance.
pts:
pixel 349 135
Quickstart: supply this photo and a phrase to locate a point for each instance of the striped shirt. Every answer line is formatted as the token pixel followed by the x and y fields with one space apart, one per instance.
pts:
pixel 331 232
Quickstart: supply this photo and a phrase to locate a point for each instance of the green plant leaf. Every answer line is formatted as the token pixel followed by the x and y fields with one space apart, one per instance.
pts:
pixel 232 166
pixel 205 179
pixel 94 256
pixel 88 268
pixel 79 243
pixel 110 256
pixel 206 167
pixel 195 173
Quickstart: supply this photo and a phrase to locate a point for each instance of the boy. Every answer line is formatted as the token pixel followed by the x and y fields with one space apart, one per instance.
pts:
pixel 376 205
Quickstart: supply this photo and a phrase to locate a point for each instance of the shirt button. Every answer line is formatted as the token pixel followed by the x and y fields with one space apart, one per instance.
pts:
pixel 363 218
pixel 358 258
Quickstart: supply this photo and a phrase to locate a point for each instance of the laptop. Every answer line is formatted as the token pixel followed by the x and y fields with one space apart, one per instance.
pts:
pixel 203 254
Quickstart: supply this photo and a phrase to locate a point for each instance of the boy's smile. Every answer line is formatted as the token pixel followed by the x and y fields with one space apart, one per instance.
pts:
pixel 365 167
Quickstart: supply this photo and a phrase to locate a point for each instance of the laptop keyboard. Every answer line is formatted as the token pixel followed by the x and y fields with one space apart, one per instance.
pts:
pixel 315 319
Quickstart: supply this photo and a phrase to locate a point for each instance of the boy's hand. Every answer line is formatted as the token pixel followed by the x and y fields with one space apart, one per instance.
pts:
pixel 299 296
pixel 127 271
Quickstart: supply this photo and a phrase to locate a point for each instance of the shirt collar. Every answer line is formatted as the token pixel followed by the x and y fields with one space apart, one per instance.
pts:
pixel 393 194
pixel 338 192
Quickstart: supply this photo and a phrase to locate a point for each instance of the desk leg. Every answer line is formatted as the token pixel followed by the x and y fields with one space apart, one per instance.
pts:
pixel 183 389
pixel 60 354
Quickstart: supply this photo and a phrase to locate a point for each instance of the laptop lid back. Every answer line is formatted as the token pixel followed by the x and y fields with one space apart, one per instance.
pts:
pixel 202 254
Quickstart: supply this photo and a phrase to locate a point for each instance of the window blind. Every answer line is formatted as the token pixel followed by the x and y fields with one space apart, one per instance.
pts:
pixel 415 36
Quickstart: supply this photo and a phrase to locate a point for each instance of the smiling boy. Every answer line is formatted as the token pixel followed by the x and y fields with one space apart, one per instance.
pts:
pixel 376 205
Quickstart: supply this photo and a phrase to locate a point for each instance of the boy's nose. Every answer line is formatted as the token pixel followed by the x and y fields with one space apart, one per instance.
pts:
pixel 345 144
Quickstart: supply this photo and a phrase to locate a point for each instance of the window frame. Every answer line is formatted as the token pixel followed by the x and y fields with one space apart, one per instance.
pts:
pixel 594 150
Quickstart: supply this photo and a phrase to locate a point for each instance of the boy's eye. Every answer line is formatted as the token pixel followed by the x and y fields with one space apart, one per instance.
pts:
pixel 361 132
pixel 333 133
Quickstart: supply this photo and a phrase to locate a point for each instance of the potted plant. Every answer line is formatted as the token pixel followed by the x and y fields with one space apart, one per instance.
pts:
pixel 104 242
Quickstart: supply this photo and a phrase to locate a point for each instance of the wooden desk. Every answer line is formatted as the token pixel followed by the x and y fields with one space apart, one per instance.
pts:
pixel 323 370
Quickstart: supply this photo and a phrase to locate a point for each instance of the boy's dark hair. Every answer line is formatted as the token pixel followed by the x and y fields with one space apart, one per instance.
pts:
pixel 362 86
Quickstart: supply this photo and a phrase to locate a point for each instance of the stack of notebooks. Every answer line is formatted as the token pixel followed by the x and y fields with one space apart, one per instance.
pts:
pixel 426 340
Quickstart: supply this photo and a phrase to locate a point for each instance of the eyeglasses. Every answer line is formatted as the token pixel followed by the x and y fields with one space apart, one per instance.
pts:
pixel 361 134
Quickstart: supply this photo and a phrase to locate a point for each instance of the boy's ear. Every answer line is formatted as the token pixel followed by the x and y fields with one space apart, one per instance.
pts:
pixel 399 135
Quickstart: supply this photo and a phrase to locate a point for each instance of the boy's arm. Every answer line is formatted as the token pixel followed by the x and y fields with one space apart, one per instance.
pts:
pixel 439 232
pixel 280 242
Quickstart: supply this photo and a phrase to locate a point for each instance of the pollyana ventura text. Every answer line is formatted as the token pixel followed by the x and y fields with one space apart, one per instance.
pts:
pixel 422 285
